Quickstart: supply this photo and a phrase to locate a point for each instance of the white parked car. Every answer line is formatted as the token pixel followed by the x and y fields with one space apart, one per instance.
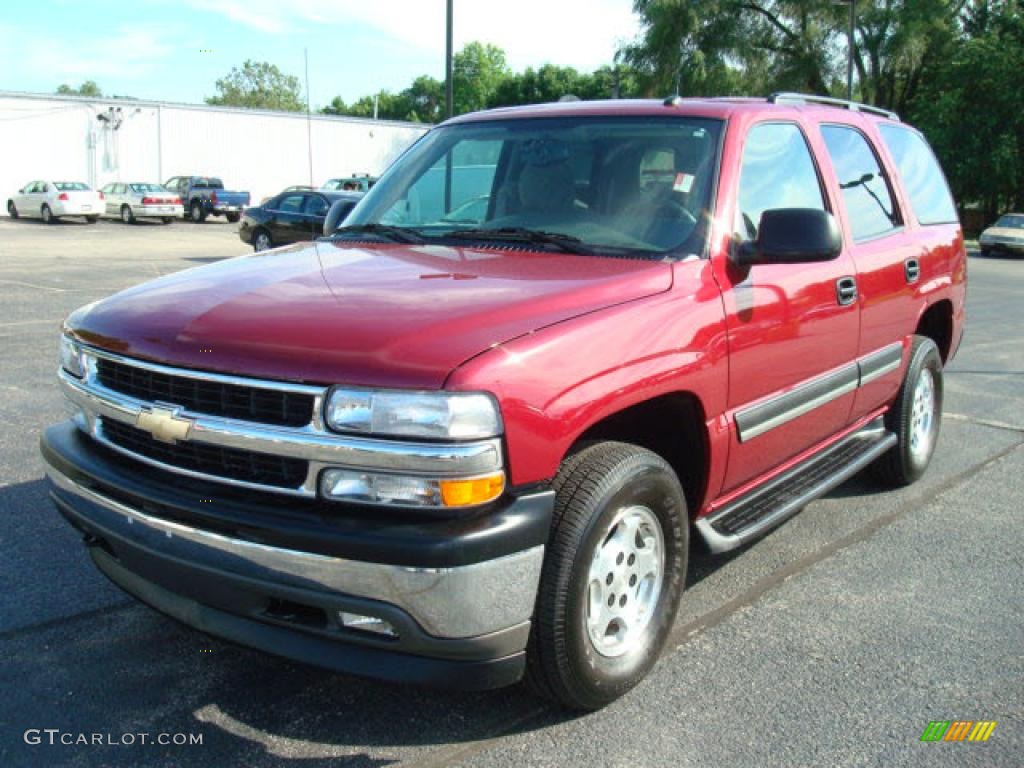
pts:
pixel 49 200
pixel 141 201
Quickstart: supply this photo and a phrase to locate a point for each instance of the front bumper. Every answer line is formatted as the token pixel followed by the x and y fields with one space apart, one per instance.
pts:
pixel 1002 246
pixel 458 593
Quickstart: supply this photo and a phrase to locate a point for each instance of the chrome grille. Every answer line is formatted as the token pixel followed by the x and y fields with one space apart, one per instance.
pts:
pixel 199 395
pixel 212 460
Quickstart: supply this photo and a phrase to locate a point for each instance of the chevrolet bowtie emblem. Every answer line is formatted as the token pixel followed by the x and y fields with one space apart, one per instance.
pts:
pixel 164 424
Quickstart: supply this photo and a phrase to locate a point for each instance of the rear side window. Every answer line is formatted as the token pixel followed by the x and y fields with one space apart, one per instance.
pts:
pixel 922 177
pixel 778 172
pixel 869 202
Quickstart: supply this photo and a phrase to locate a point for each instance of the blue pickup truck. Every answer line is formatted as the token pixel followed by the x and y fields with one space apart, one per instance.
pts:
pixel 204 196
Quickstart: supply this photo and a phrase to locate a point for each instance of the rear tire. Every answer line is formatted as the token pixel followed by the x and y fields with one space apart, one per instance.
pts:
pixel 196 213
pixel 234 218
pixel 91 219
pixel 126 215
pixel 613 571
pixel 915 417
pixel 47 215
pixel 12 209
pixel 167 219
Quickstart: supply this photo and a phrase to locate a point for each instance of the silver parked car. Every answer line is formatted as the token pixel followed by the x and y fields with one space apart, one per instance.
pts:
pixel 132 201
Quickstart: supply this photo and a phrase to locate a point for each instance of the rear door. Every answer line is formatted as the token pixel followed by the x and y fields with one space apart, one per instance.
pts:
pixel 888 258
pixel 286 222
pixel 314 213
pixel 792 333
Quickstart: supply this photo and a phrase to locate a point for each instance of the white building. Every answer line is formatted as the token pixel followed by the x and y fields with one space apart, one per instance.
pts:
pixel 71 138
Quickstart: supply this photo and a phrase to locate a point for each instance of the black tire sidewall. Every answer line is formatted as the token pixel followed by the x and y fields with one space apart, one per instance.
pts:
pixel 46 214
pixel 924 355
pixel 599 679
pixel 130 218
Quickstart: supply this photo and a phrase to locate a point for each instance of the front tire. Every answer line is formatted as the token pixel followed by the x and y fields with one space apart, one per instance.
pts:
pixel 233 218
pixel 91 219
pixel 12 209
pixel 126 215
pixel 47 215
pixel 196 213
pixel 915 417
pixel 612 576
pixel 261 240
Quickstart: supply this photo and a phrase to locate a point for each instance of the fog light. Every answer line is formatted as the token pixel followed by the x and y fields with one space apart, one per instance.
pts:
pixel 366 624
pixel 406 490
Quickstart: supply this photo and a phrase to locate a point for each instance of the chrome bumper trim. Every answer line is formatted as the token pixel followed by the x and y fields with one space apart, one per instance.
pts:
pixel 457 602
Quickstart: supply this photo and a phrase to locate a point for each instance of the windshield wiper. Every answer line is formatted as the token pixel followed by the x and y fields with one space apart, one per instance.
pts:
pixel 398 234
pixel 565 243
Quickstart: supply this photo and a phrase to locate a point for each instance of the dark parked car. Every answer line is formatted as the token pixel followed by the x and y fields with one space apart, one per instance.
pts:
pixel 290 217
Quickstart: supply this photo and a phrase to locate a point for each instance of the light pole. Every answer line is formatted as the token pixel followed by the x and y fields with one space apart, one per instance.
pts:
pixel 448 94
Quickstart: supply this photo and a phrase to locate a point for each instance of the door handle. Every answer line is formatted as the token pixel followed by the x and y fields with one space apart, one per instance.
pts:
pixel 912 270
pixel 846 291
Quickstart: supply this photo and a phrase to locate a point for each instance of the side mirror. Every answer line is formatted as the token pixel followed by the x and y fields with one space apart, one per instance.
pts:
pixel 336 216
pixel 792 236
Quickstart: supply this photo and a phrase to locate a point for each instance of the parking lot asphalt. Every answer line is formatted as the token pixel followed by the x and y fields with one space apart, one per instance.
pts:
pixel 832 641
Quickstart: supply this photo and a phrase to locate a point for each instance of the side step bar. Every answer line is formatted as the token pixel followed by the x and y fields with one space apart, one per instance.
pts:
pixel 766 506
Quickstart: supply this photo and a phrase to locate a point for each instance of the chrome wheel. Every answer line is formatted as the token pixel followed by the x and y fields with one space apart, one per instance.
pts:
pixel 262 241
pixel 625 580
pixel 922 418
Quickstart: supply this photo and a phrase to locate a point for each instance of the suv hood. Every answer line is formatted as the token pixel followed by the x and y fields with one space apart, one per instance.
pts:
pixel 364 314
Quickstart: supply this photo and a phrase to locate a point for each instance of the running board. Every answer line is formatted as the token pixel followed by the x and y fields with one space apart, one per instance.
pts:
pixel 770 504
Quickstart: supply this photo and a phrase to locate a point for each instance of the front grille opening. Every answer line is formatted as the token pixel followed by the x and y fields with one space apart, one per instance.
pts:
pixel 265 406
pixel 296 613
pixel 227 463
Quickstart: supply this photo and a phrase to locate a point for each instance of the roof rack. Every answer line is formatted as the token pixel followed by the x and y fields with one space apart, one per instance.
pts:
pixel 784 97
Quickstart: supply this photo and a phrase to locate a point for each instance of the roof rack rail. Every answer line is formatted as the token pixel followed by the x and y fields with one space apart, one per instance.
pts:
pixel 783 97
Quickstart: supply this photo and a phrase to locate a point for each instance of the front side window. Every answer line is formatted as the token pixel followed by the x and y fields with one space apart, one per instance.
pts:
pixel 291 204
pixel 921 175
pixel 778 171
pixel 636 185
pixel 870 207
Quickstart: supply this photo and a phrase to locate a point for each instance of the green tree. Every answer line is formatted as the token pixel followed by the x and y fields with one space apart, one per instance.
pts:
pixel 478 70
pixel 88 88
pixel 259 85
pixel 971 112
pixel 724 47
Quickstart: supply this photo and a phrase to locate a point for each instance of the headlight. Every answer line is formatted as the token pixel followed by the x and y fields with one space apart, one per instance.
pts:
pixel 71 357
pixel 448 415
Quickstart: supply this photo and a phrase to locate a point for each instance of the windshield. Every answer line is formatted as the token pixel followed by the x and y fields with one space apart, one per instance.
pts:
pixel 70 186
pixel 148 188
pixel 1011 222
pixel 635 185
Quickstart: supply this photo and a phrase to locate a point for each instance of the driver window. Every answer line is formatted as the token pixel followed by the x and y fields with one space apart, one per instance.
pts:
pixel 778 171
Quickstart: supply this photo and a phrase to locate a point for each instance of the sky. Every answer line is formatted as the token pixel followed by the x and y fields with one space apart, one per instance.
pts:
pixel 176 49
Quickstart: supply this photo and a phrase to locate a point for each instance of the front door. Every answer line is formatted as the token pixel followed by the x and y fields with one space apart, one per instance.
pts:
pixel 793 329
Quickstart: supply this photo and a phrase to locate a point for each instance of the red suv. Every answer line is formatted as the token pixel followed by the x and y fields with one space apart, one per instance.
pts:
pixel 468 436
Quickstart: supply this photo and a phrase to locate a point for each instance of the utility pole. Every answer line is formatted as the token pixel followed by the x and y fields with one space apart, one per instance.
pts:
pixel 448 90
pixel 849 52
